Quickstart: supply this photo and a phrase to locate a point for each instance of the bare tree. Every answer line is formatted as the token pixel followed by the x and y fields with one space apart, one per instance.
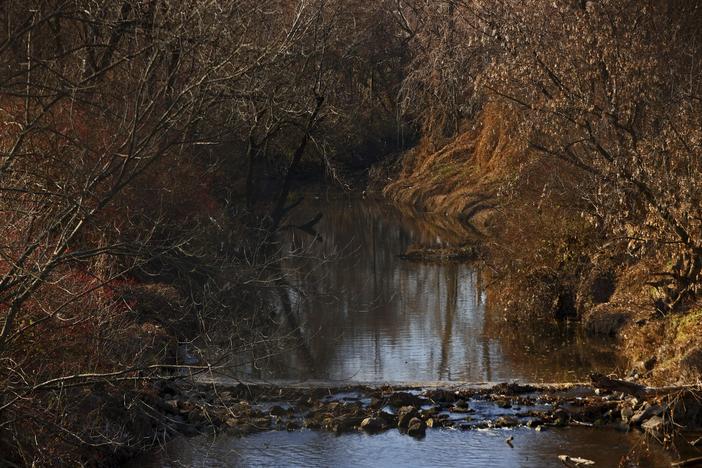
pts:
pixel 610 89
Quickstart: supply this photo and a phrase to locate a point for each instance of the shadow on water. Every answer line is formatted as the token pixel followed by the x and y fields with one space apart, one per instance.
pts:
pixel 354 311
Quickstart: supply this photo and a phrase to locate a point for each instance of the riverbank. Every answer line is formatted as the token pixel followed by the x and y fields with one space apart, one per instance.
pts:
pixel 547 257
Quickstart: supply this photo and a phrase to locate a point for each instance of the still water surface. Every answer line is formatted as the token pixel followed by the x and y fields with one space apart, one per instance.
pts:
pixel 357 312
pixel 366 315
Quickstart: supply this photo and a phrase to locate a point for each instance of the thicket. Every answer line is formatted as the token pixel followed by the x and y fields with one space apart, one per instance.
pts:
pixel 571 131
pixel 138 142
pixel 149 151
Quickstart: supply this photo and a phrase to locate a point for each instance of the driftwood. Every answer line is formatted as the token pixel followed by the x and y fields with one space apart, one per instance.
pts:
pixel 639 391
pixel 575 461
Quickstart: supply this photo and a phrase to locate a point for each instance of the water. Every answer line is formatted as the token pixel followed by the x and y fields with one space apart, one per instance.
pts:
pixel 355 312
pixel 440 448
pixel 366 315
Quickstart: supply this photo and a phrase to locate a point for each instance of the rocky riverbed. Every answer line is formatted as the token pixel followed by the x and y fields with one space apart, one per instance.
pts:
pixel 242 410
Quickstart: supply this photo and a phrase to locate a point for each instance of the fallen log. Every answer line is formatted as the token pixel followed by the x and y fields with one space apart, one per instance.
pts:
pixel 575 461
pixel 639 391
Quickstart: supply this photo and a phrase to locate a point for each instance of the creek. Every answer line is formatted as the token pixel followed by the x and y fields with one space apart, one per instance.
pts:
pixel 354 312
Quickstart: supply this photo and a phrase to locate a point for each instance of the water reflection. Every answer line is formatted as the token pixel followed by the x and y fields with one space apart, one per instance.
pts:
pixel 361 313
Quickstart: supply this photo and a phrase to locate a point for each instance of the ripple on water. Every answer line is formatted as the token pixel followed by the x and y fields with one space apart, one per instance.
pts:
pixel 444 448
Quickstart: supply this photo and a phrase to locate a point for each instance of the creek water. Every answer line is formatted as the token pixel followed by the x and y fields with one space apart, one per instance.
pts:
pixel 366 315
pixel 354 311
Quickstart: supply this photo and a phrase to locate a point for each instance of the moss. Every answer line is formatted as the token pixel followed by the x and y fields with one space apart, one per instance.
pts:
pixel 678 351
pixel 687 327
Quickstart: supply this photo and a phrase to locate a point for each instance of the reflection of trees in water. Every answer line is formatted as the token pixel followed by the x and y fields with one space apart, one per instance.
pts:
pixel 451 304
pixel 357 306
pixel 551 352
pixel 352 279
pixel 293 322
pixel 380 300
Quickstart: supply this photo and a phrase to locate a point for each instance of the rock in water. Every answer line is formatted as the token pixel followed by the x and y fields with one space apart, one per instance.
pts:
pixel 278 411
pixel 654 427
pixel 461 407
pixel 646 412
pixel 405 415
pixel 399 399
pixel 372 425
pixel 417 428
pixel 627 413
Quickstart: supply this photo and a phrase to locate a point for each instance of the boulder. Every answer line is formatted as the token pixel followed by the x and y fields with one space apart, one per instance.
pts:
pixel 691 364
pixel 561 417
pixel 346 423
pixel 646 412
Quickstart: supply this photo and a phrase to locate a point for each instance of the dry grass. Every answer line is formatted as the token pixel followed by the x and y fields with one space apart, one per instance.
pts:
pixel 545 257
pixel 462 178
